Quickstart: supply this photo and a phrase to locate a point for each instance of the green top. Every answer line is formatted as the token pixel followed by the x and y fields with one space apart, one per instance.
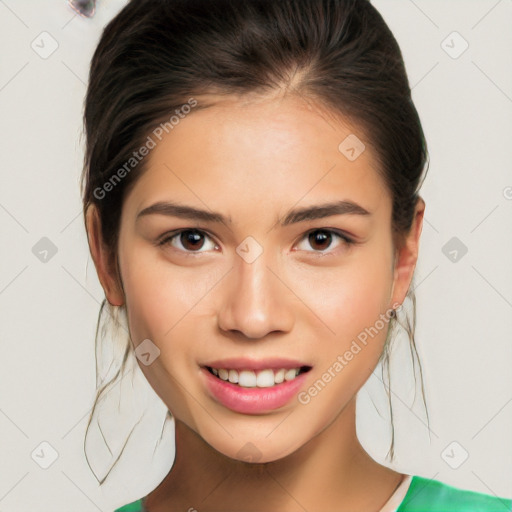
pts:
pixel 424 495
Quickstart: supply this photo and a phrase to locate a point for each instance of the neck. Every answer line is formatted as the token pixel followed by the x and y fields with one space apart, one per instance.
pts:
pixel 331 471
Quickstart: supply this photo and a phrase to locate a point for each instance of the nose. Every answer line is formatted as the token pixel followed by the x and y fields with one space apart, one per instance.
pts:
pixel 256 300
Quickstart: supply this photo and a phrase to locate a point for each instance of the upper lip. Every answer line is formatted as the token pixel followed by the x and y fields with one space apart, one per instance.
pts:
pixel 242 363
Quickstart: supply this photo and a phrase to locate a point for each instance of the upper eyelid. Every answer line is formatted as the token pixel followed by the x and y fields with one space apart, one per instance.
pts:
pixel 174 233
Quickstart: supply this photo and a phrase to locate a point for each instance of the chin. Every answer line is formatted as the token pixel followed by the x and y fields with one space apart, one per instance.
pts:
pixel 255 450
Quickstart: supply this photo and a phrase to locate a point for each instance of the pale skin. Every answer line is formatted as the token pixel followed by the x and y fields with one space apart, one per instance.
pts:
pixel 253 161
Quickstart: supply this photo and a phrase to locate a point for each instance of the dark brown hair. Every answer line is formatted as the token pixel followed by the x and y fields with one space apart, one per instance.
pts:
pixel 155 55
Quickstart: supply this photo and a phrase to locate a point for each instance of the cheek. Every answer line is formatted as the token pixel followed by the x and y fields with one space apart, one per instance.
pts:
pixel 160 305
pixel 162 297
pixel 351 301
pixel 151 303
pixel 352 296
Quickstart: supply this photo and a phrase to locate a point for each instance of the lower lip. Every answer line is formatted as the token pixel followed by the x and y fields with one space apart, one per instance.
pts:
pixel 252 400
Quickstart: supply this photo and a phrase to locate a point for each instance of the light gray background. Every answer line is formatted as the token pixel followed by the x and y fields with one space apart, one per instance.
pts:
pixel 49 310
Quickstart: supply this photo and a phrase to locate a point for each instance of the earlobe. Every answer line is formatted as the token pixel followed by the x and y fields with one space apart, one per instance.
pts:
pixel 102 258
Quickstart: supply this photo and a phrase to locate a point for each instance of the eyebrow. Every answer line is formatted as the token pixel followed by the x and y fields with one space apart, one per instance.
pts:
pixel 298 215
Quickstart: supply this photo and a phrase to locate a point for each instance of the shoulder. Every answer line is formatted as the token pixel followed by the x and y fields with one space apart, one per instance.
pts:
pixel 424 495
pixel 428 495
pixel 135 506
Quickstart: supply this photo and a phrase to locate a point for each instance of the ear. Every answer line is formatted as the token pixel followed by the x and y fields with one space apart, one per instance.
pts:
pixel 407 256
pixel 103 259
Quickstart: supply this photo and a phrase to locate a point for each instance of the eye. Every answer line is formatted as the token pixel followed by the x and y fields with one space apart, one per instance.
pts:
pixel 190 241
pixel 322 239
pixel 187 240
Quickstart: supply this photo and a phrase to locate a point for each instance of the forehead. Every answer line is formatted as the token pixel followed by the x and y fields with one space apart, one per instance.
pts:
pixel 277 151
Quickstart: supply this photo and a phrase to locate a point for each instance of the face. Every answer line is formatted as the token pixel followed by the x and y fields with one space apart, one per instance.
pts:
pixel 265 280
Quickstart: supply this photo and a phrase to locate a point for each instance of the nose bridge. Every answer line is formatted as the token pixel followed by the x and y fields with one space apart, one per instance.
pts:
pixel 255 303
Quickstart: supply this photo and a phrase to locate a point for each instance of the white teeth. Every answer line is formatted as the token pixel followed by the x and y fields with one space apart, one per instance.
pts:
pixel 247 379
pixel 279 376
pixel 265 379
pixel 290 374
pixel 260 379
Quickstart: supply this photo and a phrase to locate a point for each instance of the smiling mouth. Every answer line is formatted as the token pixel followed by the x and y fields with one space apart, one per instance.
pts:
pixel 260 378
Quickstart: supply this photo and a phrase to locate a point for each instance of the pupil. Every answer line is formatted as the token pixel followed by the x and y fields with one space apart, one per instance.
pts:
pixel 191 237
pixel 319 237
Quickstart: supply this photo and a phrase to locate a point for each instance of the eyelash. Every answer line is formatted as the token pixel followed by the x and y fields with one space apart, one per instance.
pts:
pixel 346 241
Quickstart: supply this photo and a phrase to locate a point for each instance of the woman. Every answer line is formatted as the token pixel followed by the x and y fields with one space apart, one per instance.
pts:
pixel 251 198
